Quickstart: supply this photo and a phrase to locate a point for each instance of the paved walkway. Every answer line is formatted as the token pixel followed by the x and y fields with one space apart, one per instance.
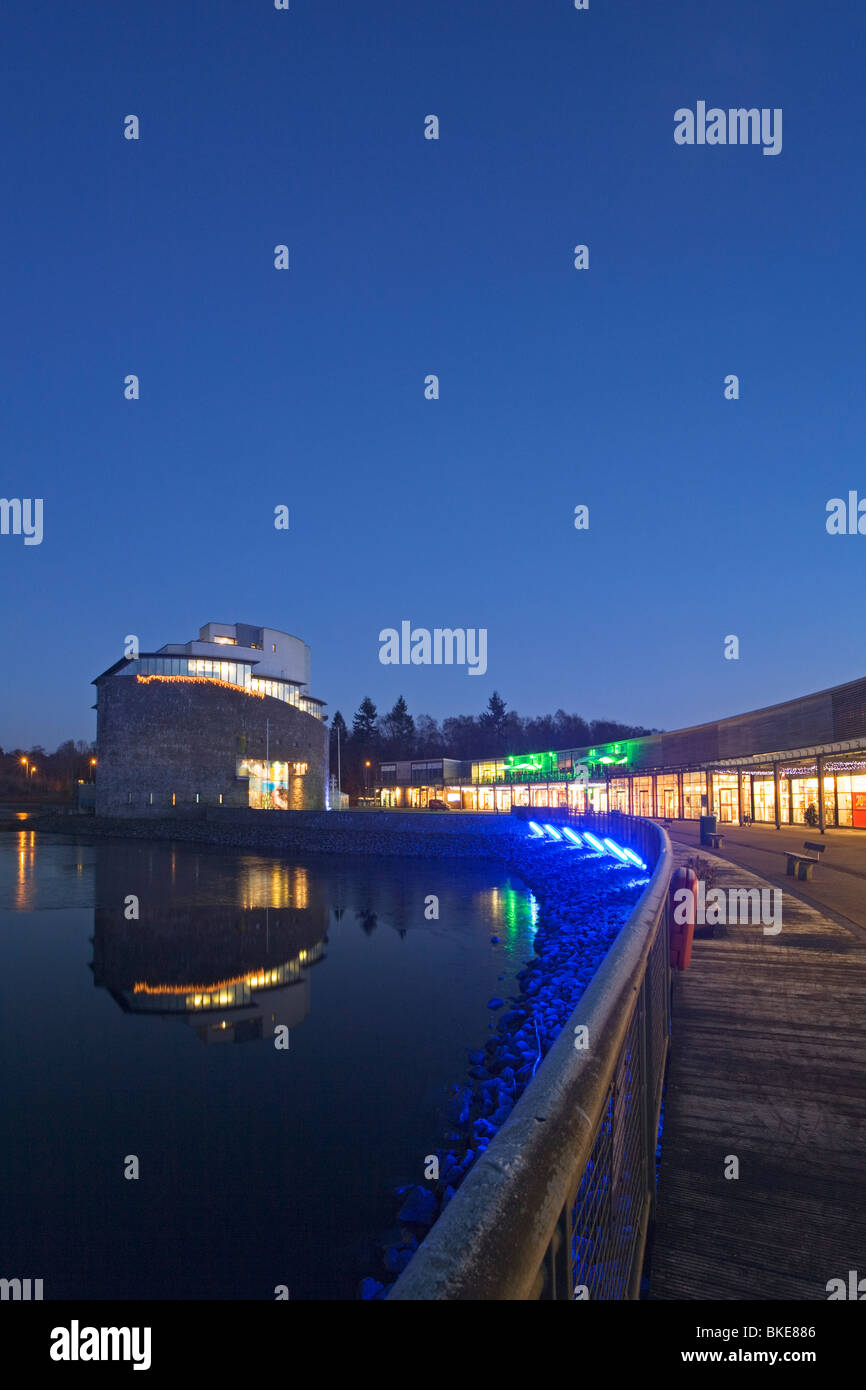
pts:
pixel 838 883
pixel 768 1064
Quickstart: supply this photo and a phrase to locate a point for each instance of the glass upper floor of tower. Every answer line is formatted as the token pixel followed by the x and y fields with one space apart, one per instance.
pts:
pixel 239 673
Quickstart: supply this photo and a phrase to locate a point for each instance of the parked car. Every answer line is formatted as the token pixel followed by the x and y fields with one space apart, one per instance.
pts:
pixel 437 804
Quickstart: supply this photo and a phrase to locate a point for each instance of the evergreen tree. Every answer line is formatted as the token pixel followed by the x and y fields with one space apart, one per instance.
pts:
pixel 494 721
pixel 398 731
pixel 362 770
pixel 365 725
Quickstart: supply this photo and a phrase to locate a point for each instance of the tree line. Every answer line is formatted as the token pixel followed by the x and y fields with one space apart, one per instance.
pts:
pixel 31 774
pixel 375 738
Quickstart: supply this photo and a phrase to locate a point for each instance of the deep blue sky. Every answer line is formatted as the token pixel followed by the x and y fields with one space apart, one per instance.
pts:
pixel 410 257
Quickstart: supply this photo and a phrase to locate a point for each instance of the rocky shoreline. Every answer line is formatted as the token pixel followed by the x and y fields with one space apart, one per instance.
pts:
pixel 584 899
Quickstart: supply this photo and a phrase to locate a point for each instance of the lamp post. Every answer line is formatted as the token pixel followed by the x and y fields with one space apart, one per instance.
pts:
pixel 367 781
pixel 339 777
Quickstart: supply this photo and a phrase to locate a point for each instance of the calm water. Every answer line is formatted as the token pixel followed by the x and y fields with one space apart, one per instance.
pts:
pixel 145 1037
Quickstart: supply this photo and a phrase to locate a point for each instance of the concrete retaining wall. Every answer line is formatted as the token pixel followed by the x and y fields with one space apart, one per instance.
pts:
pixel 430 835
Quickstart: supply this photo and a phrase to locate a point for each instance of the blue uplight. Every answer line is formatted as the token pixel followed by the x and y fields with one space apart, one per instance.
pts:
pixel 554 834
pixel 536 830
pixel 575 839
pixel 615 849
pixel 634 858
pixel 596 844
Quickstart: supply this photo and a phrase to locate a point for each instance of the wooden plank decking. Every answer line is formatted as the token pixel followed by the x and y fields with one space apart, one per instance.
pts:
pixel 768 1063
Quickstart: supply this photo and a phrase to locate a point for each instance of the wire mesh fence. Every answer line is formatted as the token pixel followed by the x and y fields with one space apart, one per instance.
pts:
pixel 560 1206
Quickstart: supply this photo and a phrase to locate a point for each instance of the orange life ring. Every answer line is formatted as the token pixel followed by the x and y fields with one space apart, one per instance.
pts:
pixel 682 932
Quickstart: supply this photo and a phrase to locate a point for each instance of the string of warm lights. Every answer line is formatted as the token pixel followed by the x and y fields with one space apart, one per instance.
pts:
pixel 258 977
pixel 205 680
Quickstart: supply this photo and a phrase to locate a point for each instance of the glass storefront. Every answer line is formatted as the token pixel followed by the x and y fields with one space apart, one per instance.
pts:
pixel 746 794
pixel 804 796
pixel 765 799
pixel 754 797
pixel 851 793
pixel 694 791
pixel 725 804
pixel 274 786
pixel 668 795
pixel 642 796
pixel 618 793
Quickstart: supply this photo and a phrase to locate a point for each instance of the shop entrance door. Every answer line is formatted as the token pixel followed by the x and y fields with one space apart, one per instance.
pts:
pixel 727 810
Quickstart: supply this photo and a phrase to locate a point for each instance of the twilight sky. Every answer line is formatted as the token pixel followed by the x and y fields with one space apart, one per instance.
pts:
pixel 408 257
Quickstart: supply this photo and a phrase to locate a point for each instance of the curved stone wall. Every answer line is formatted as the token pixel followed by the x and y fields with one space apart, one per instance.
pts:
pixel 159 740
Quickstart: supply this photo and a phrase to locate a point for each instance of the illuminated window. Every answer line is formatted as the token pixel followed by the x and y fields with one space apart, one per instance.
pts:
pixel 226 641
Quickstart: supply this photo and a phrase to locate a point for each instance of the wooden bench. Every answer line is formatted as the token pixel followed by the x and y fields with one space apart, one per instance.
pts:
pixel 801 865
pixel 814 846
pixel 715 838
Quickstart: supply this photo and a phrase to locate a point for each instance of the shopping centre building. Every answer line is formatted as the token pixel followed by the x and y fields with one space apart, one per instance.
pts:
pixel 766 766
pixel 224 720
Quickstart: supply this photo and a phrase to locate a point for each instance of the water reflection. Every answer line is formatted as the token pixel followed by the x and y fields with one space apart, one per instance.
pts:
pixel 167 944
pixel 25 880
pixel 223 946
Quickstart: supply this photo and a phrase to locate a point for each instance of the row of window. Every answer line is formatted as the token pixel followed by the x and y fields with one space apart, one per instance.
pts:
pixel 170 799
pixel 419 772
pixel 271 772
pixel 844 797
pixel 234 673
pixel 237 993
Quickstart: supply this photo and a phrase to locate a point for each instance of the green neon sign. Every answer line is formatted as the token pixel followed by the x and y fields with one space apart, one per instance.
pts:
pixel 538 764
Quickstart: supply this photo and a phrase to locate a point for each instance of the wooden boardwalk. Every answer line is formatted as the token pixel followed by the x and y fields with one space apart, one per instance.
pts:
pixel 768 1064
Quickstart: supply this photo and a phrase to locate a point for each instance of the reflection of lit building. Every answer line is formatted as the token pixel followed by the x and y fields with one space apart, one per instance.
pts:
pixel 239 1009
pixel 767 765
pixel 26 876
pixel 225 720
pixel 233 971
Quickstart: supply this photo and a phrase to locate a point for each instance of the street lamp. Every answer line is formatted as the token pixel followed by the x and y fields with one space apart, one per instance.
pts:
pixel 367 781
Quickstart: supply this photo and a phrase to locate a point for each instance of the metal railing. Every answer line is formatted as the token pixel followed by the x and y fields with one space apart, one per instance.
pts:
pixel 639 833
pixel 560 1204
